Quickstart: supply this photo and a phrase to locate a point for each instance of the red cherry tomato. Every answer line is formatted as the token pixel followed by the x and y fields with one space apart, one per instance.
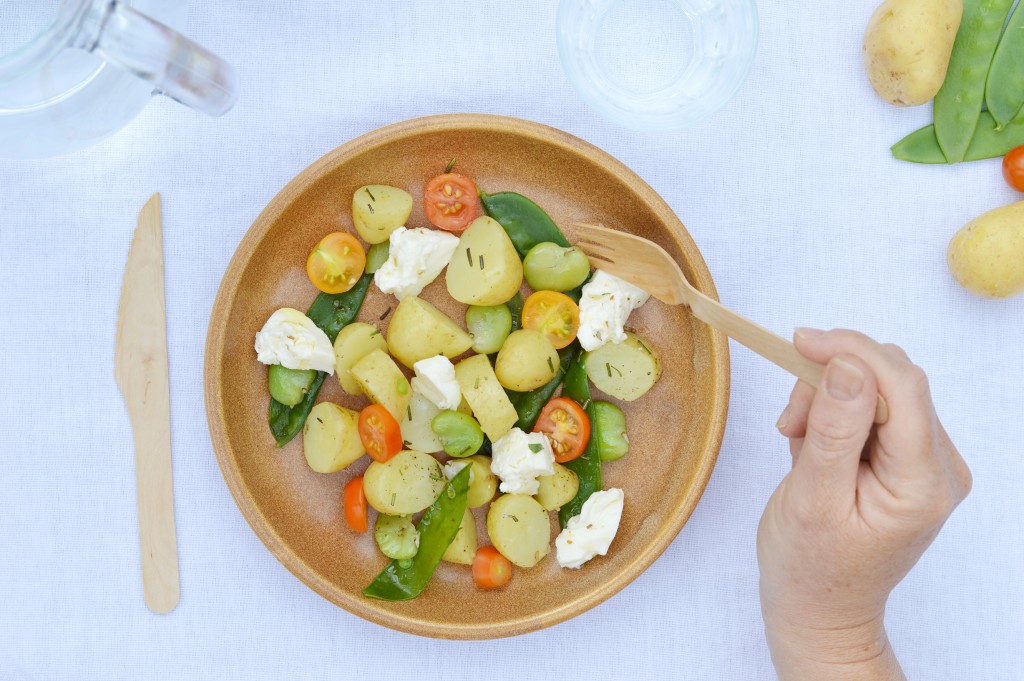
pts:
pixel 490 568
pixel 1013 168
pixel 566 425
pixel 354 501
pixel 450 202
pixel 380 433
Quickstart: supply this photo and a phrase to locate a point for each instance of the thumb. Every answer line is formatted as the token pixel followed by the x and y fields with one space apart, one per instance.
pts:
pixel 838 426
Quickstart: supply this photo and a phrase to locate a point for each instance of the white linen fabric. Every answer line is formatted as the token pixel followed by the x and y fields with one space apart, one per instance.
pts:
pixel 790 192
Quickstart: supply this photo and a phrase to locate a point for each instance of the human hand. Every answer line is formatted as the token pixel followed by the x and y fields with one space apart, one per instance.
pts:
pixel 857 510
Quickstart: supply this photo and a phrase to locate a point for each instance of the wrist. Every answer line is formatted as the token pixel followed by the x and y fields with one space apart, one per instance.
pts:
pixel 849 653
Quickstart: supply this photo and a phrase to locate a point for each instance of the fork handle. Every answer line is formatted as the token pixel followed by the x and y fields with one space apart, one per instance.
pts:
pixel 771 346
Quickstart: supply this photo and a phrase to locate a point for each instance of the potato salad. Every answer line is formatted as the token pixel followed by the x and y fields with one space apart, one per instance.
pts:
pixel 489 413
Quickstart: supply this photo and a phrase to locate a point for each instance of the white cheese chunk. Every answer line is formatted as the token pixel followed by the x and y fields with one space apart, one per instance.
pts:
pixel 518 458
pixel 435 380
pixel 415 258
pixel 291 339
pixel 591 532
pixel 605 306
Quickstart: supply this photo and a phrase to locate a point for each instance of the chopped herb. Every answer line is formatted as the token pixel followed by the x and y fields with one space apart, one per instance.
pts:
pixel 451 164
pixel 536 448
pixel 407 444
pixel 393 496
pixel 481 261
pixel 612 368
pixel 320 420
pixel 551 365
pixel 645 348
pixel 370 206
pixel 476 384
pixel 469 256
pixel 408 412
pixel 372 197
pixel 376 332
pixel 386 313
pixel 508 515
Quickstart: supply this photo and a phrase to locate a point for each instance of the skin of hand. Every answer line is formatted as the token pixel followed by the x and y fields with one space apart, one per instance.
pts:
pixel 857 510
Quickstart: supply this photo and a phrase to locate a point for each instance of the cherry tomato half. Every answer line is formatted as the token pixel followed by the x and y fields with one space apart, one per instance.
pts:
pixel 566 425
pixel 556 315
pixel 336 263
pixel 451 202
pixel 1013 168
pixel 354 501
pixel 490 568
pixel 379 432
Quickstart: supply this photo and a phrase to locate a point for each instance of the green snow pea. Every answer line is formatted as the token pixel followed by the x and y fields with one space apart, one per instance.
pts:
pixel 331 312
pixel 528 405
pixel 609 426
pixel 921 146
pixel 525 222
pixel 587 466
pixel 958 102
pixel 515 306
pixel 1004 89
pixel 402 580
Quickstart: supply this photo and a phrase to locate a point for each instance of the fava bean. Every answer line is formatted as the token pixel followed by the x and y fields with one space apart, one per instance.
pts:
pixel 550 267
pixel 921 146
pixel 610 427
pixel 396 536
pixel 289 386
pixel 460 434
pixel 377 256
pixel 489 325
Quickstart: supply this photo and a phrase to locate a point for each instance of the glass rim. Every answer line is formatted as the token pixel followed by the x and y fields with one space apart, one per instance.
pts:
pixel 45 45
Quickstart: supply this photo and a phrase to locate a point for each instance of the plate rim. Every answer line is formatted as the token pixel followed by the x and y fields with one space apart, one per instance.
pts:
pixel 214 353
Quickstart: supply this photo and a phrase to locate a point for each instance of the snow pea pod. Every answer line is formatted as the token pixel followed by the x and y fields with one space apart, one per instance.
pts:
pixel 958 102
pixel 587 466
pixel 515 306
pixel 331 312
pixel 1004 90
pixel 922 146
pixel 525 222
pixel 437 530
pixel 528 405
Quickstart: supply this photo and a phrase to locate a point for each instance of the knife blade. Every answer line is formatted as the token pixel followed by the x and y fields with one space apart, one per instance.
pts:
pixel 140 368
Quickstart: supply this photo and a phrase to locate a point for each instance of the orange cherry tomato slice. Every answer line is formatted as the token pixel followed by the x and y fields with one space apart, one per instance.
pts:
pixel 354 501
pixel 379 432
pixel 451 202
pixel 336 263
pixel 556 315
pixel 567 426
pixel 490 568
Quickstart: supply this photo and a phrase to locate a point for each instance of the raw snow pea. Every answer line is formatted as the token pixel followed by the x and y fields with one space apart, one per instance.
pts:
pixel 489 325
pixel 1004 90
pixel 958 102
pixel 396 536
pixel 331 312
pixel 525 222
pixel 610 427
pixel 377 256
pixel 515 306
pixel 921 146
pixel 402 580
pixel 587 466
pixel 289 386
pixel 460 434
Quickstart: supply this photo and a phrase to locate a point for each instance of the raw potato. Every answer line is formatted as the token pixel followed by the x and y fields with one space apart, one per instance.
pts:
pixel 406 483
pixel 383 382
pixel 419 330
pixel 526 361
pixel 520 529
pixel 353 343
pixel 624 370
pixel 557 490
pixel 330 438
pixel 415 424
pixel 378 210
pixel 987 256
pixel 907 47
pixel 486 269
pixel 462 550
pixel 485 396
pixel 483 483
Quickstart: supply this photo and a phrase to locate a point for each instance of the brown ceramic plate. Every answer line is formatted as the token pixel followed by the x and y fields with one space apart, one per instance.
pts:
pixel 675 430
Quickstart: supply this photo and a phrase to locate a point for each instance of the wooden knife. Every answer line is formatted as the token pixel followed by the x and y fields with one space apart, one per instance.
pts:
pixel 140 367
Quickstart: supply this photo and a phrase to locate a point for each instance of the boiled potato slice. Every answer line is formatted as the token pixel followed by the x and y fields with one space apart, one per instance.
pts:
pixel 482 482
pixel 462 550
pixel 485 396
pixel 519 528
pixel 355 341
pixel 406 483
pixel 383 382
pixel 526 361
pixel 415 424
pixel 486 269
pixel 419 330
pixel 624 370
pixel 557 490
pixel 330 438
pixel 378 210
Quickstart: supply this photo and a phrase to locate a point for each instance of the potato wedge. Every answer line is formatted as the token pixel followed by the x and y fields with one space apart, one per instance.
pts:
pixel 462 550
pixel 624 370
pixel 383 382
pixel 486 269
pixel 419 330
pixel 520 529
pixel 378 210
pixel 330 438
pixel 355 341
pixel 485 396
pixel 406 483
pixel 557 490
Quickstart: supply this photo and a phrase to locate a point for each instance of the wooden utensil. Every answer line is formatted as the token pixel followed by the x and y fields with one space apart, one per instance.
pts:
pixel 645 264
pixel 140 367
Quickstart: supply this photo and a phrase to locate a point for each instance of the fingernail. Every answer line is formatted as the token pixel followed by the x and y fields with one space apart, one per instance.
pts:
pixel 844 380
pixel 805 332
pixel 783 419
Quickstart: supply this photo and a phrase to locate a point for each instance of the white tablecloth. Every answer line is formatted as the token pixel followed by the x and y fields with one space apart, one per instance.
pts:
pixel 790 192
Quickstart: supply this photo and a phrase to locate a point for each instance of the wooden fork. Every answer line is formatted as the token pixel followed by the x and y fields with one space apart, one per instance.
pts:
pixel 645 264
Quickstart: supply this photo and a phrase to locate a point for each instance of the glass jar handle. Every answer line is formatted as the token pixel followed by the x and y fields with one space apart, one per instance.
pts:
pixel 176 66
